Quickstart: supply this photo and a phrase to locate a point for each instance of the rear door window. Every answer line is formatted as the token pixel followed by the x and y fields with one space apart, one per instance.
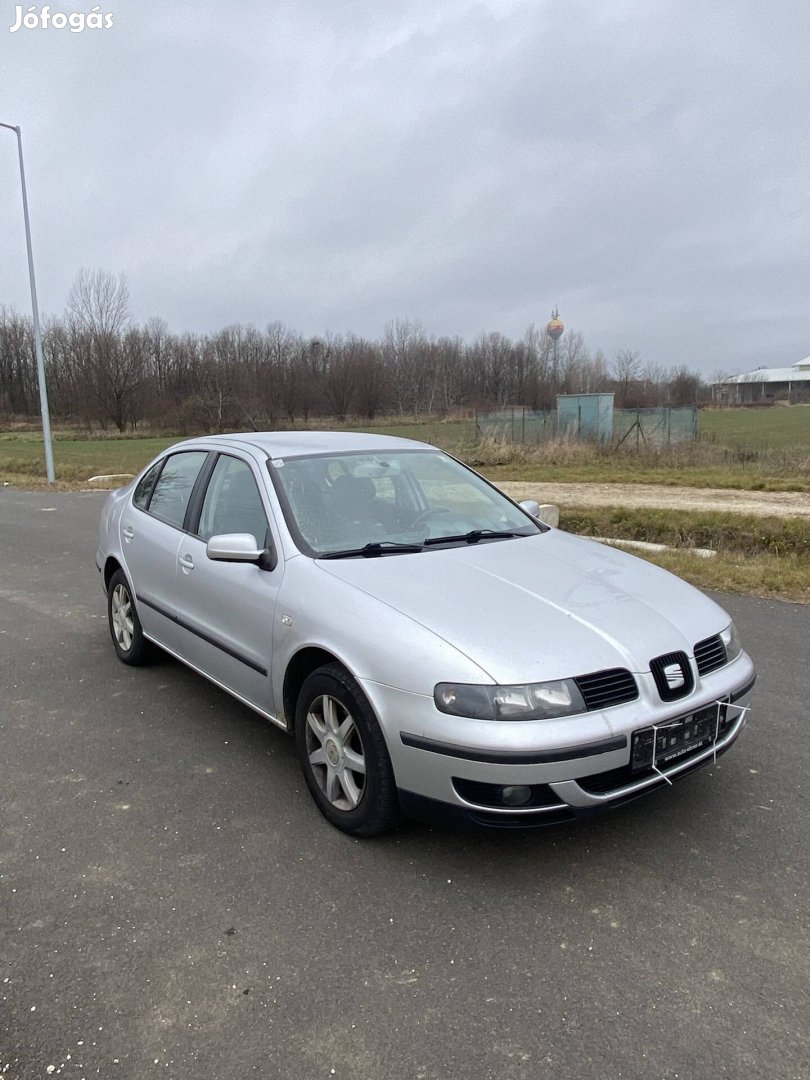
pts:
pixel 146 485
pixel 172 491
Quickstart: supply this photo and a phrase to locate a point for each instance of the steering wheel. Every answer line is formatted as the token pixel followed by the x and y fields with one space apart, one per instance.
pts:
pixel 425 514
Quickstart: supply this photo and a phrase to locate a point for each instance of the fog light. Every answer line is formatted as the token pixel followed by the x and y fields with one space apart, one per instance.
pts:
pixel 516 796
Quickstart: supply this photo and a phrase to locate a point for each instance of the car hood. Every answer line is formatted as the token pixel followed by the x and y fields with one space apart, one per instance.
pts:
pixel 548 606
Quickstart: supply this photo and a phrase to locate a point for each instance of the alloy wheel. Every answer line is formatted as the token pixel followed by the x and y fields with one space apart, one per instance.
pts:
pixel 335 752
pixel 122 621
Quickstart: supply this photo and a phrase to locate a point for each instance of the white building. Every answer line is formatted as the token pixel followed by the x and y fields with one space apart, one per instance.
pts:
pixel 765 385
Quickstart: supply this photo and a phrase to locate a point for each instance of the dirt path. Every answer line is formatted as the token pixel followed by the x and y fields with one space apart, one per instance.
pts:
pixel 765 503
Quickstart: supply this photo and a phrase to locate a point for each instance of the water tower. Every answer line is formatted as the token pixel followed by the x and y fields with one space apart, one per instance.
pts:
pixel 554 329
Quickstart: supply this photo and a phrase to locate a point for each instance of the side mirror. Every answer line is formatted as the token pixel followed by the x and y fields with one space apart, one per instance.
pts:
pixel 531 507
pixel 234 547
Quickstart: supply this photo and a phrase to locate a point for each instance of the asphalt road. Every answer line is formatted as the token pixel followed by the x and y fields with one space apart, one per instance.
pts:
pixel 172 904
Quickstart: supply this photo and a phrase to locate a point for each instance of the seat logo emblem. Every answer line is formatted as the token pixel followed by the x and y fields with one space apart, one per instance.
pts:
pixel 675 677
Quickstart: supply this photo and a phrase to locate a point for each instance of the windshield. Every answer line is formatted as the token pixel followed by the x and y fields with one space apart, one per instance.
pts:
pixel 338 503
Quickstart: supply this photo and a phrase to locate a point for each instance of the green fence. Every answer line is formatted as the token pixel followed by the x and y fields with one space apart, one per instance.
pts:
pixel 631 427
pixel 655 427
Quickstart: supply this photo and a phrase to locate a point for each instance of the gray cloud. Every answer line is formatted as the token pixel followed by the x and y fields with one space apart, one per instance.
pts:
pixel 336 163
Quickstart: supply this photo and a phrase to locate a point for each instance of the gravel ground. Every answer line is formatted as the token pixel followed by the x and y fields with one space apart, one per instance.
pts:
pixel 766 503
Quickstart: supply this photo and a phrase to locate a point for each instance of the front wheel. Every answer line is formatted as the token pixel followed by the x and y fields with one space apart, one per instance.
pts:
pixel 343 754
pixel 125 626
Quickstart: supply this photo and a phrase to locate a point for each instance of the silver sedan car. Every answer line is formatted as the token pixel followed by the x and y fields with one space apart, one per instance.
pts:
pixel 434 649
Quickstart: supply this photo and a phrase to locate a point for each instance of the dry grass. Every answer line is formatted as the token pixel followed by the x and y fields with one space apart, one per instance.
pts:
pixel 760 556
pixel 699 464
pixel 773 576
pixel 731 533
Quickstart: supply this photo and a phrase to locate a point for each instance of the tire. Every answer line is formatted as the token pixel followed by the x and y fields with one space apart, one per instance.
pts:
pixel 125 626
pixel 343 754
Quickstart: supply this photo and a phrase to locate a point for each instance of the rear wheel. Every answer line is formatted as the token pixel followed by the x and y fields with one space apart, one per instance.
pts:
pixel 125 626
pixel 343 754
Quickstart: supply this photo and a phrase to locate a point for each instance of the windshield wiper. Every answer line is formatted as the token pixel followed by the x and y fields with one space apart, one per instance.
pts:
pixel 474 536
pixel 374 550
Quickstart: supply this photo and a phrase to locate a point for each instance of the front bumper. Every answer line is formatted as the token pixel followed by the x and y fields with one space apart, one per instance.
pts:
pixel 577 766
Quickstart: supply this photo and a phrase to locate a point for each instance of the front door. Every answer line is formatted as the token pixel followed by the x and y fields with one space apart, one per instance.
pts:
pixel 225 610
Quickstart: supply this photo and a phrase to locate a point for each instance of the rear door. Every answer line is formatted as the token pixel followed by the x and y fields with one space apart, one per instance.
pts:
pixel 225 610
pixel 151 530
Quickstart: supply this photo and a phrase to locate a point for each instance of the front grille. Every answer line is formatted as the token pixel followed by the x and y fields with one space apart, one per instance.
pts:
pixel 673 675
pixel 601 689
pixel 710 654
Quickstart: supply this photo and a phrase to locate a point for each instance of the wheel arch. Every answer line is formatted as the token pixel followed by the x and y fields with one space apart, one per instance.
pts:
pixel 110 566
pixel 299 667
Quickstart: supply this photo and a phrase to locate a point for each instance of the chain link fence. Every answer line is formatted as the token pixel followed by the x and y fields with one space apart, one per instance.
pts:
pixel 631 427
pixel 655 427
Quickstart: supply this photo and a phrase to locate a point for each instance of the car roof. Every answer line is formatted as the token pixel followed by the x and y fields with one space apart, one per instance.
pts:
pixel 289 444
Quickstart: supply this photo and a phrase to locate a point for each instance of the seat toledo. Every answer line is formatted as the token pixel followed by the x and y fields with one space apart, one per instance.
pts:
pixel 434 649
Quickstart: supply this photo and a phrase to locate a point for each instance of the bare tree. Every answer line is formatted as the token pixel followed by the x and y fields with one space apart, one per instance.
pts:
pixel 18 386
pixel 626 371
pixel 539 390
pixel 99 302
pixel 102 369
pixel 340 379
pixel 160 355
pixel 573 355
pixel 98 308
pixel 370 376
pixel 449 373
pixel 497 366
pixel 407 355
pixel 684 386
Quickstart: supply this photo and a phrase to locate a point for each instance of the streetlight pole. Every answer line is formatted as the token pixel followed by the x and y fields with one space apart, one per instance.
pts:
pixel 43 390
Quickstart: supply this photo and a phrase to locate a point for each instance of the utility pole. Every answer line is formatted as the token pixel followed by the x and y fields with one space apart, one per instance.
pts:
pixel 43 389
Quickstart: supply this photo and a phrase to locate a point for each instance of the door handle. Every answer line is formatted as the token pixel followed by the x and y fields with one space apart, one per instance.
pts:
pixel 186 562
pixel 129 534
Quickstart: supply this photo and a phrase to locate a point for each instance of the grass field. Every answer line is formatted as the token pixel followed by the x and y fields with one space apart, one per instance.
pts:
pixel 76 458
pixel 775 428
pixel 767 449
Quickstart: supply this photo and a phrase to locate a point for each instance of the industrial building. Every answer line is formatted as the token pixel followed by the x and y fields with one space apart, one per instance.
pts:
pixel 765 385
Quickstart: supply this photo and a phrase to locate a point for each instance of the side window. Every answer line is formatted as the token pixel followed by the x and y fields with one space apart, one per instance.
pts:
pixel 385 489
pixel 232 502
pixel 173 489
pixel 146 485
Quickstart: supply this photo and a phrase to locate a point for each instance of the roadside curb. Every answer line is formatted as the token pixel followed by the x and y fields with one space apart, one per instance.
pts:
pixel 107 478
pixel 645 545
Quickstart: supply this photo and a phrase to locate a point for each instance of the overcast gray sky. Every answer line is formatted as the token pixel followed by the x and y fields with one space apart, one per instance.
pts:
pixel 336 163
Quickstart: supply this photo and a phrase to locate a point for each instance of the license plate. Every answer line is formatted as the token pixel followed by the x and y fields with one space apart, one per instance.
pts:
pixel 667 743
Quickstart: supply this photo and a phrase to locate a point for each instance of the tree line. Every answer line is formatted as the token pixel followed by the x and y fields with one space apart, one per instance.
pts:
pixel 104 370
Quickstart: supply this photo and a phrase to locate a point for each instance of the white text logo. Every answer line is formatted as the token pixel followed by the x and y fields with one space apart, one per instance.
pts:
pixel 43 19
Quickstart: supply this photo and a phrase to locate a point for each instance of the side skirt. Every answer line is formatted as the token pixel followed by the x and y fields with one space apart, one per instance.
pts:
pixel 267 716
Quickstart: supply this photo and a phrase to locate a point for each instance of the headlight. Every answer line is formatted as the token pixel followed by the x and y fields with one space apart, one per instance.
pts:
pixel 731 640
pixel 532 701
